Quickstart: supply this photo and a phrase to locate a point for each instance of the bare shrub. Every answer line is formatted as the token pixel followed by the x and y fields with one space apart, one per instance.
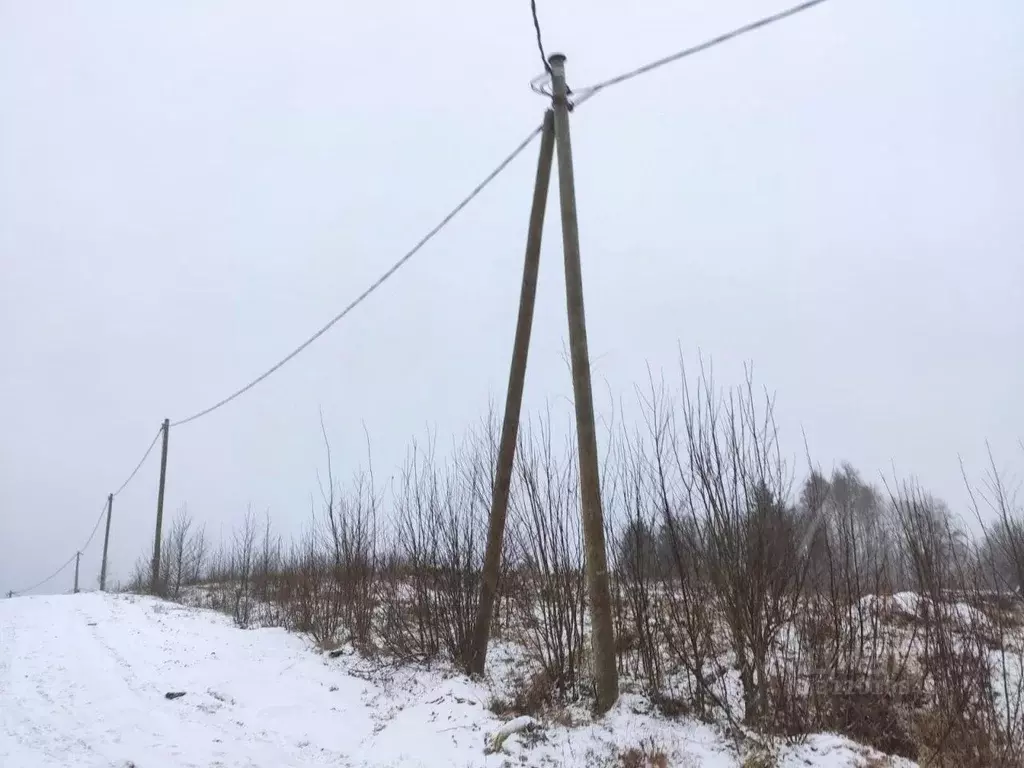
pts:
pixel 647 755
pixel 737 488
pixel 241 568
pixel 1000 564
pixel 959 722
pixel 141 578
pixel 431 585
pixel 688 610
pixel 460 558
pixel 638 582
pixel 857 670
pixel 350 532
pixel 183 552
pixel 547 550
pixel 844 609
pixel 309 602
pixel 532 694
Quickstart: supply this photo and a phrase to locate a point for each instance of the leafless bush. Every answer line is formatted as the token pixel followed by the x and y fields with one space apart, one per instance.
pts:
pixel 841 609
pixel 688 610
pixel 1000 568
pixel 856 670
pixel 350 532
pixel 266 576
pixel 547 551
pixel 309 602
pixel 242 561
pixel 647 755
pixel 737 487
pixel 433 566
pixel 959 723
pixel 183 557
pixel 142 575
pixel 461 540
pixel 638 574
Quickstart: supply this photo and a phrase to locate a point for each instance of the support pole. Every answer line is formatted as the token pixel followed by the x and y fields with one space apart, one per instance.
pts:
pixel 106 544
pixel 78 559
pixel 513 402
pixel 154 586
pixel 606 678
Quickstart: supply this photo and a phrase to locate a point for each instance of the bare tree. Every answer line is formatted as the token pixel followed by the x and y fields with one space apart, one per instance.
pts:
pixel 242 561
pixel 737 486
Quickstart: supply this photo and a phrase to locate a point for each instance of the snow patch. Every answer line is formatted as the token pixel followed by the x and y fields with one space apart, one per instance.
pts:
pixel 83 680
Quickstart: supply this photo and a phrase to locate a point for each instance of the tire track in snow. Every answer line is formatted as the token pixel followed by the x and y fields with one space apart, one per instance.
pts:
pixel 40 731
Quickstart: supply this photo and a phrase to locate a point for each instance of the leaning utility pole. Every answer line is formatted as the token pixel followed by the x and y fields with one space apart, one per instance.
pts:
pixel 78 558
pixel 154 586
pixel 606 680
pixel 606 677
pixel 513 402
pixel 106 543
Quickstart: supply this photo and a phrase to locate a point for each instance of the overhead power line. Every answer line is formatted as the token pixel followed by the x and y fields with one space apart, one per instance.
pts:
pixel 375 285
pixel 141 462
pixel 70 560
pixel 540 41
pixel 52 576
pixel 95 527
pixel 584 95
pixel 593 90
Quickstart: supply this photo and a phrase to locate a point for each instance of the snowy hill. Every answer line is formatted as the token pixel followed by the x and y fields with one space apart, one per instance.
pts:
pixel 84 678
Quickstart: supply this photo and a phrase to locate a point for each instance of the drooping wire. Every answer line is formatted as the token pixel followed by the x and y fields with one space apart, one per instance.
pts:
pixel 591 91
pixel 141 462
pixel 52 576
pixel 540 41
pixel 68 562
pixel 94 529
pixel 394 268
pixel 375 285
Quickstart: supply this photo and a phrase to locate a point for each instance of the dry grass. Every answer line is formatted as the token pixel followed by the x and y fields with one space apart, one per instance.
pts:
pixel 761 758
pixel 643 756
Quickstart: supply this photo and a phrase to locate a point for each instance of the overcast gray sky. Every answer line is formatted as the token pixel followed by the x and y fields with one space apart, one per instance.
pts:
pixel 189 189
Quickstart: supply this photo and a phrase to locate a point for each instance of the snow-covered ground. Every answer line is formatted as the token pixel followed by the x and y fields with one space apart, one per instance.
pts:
pixel 84 678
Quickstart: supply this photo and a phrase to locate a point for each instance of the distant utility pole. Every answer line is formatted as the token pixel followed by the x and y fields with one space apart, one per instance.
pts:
pixel 106 543
pixel 606 680
pixel 78 558
pixel 155 578
pixel 513 401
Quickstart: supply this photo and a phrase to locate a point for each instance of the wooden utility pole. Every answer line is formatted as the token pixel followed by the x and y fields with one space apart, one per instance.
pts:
pixel 78 558
pixel 154 586
pixel 606 678
pixel 513 402
pixel 106 543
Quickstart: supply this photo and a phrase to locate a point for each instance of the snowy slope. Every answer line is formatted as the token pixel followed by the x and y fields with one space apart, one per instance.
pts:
pixel 83 680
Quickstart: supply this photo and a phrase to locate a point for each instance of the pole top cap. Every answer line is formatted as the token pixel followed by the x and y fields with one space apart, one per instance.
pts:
pixel 556 58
